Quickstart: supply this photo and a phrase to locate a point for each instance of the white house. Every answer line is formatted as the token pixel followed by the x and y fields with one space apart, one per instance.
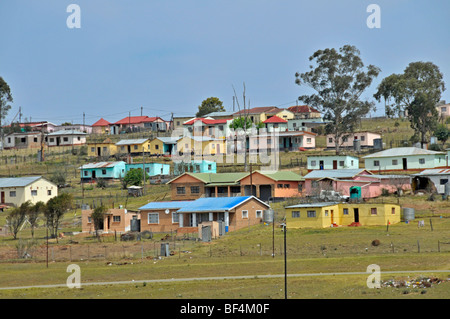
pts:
pixel 66 138
pixel 16 191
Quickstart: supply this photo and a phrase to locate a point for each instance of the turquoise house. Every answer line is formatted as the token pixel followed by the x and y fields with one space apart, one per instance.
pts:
pixel 152 169
pixel 405 158
pixel 320 162
pixel 195 167
pixel 103 170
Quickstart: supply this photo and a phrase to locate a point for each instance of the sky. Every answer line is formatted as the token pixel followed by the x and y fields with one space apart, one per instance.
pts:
pixel 167 56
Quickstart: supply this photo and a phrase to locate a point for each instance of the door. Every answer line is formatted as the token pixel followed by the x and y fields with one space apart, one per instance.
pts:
pixel 405 163
pixel 93 175
pixel 99 151
pixel 3 198
pixel 356 214
pixel 334 164
pixel 332 216
pixel 321 165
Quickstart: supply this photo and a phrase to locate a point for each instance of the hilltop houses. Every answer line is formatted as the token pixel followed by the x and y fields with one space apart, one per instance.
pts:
pixel 364 139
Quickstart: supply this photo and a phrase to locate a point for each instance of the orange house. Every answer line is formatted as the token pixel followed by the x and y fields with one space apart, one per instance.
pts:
pixel 270 185
pixel 115 220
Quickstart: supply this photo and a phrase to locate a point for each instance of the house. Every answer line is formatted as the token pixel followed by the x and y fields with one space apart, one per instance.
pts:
pixel 105 148
pixel 189 186
pixel 194 166
pixel 272 185
pixel 334 214
pixel 103 170
pixel 66 138
pixel 443 110
pixel 404 158
pixel 42 126
pixel 115 220
pixel 178 122
pixel 258 114
pixel 332 162
pixel 101 127
pixel 163 146
pixel 133 146
pixel 364 139
pixel 22 140
pixel 18 190
pixel 161 216
pixel 304 112
pixel 200 146
pixel 276 124
pixel 219 115
pixel 213 128
pixel 152 169
pixel 354 183
pixel 74 127
pixel 436 180
pixel 139 124
pixel 282 141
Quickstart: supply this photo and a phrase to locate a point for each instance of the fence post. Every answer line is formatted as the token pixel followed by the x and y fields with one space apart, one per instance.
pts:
pixel 439 246
pixel 418 247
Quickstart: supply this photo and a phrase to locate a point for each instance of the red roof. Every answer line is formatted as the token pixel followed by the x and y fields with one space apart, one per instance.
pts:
pixel 137 119
pixel 275 119
pixel 206 121
pixel 259 110
pixel 101 122
pixel 302 109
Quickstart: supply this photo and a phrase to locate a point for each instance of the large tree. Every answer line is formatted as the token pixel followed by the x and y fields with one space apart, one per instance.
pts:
pixel 55 209
pixel 5 99
pixel 211 104
pixel 98 216
pixel 416 91
pixel 339 79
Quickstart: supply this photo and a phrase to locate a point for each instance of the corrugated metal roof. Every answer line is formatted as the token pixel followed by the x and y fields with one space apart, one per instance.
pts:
pixel 216 204
pixel 100 165
pixel 219 178
pixel 168 140
pixel 66 132
pixel 165 205
pixel 402 151
pixel 333 173
pixel 312 205
pixel 434 171
pixel 132 141
pixel 18 181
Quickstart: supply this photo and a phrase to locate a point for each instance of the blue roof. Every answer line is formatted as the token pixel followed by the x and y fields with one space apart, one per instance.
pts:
pixel 215 204
pixel 165 205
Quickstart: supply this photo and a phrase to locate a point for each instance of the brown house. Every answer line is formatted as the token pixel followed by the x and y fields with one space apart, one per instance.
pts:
pixel 116 220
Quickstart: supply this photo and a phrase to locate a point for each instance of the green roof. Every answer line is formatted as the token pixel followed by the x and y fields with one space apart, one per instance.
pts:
pixel 283 176
pixel 219 178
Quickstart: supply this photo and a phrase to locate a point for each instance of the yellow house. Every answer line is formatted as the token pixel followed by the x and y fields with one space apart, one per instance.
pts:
pixel 332 214
pixel 133 146
pixel 198 145
pixel 284 114
pixel 105 148
pixel 163 145
pixel 16 191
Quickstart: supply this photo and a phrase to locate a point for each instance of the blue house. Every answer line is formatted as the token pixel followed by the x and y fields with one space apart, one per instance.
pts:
pixel 152 169
pixel 194 166
pixel 104 170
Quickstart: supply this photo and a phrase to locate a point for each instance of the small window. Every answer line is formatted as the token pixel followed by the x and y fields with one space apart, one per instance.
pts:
pixel 195 189
pixel 345 212
pixel 363 138
pixel 245 214
pixel 34 192
pixel 153 218
pixel 421 161
pixel 65 139
pixel 92 149
pixel 135 147
pixel 313 163
pixel 279 185
pixel 181 190
pixel 49 192
pixel 287 186
pixel 296 214
pixel 116 219
pixel 394 162
pixel 311 213
pixel 259 214
pixel 376 163
pixel 443 181
pixel 104 171
pixel 175 217
pixel 373 211
pixel 330 140
pixel 393 210
pixel 12 194
pixel 308 140
pixel 341 163
pixel 326 212
pixel 85 173
pixel 89 219
pixel 156 147
pixel 209 167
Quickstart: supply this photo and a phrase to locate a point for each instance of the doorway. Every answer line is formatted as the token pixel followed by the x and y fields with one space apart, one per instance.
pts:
pixel 405 163
pixel 356 214
pixel 334 164
pixel 2 198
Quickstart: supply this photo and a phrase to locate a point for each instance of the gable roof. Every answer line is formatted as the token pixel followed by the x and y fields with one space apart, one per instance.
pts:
pixel 210 178
pixel 167 140
pixel 19 181
pixel 302 109
pixel 258 110
pixel 403 151
pixel 165 205
pixel 433 171
pixel 279 175
pixel 335 173
pixel 66 132
pixel 101 165
pixel 320 204
pixel 217 204
pixel 275 119
pixel 101 122
pixel 137 119
pixel 132 141
pixel 206 121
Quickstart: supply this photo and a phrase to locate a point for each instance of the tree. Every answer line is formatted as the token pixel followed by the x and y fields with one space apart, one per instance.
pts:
pixel 339 79
pixel 33 214
pixel 98 216
pixel 15 220
pixel 55 209
pixel 417 91
pixel 134 177
pixel 442 133
pixel 211 104
pixel 5 99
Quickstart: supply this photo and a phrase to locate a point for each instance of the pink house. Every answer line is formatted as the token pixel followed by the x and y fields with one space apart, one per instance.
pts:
pixel 366 139
pixel 345 180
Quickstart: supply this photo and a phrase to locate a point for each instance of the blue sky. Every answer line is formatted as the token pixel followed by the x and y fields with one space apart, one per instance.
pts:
pixel 167 56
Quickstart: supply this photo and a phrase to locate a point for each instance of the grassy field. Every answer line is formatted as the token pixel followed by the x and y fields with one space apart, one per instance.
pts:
pixel 254 252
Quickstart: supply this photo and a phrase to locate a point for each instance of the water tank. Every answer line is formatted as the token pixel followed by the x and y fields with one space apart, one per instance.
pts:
pixel 357 145
pixel 378 143
pixel 165 251
pixel 408 214
pixel 268 215
pixel 135 225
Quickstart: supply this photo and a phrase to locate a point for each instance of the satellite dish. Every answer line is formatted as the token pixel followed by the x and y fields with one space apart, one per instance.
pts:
pixel 167 211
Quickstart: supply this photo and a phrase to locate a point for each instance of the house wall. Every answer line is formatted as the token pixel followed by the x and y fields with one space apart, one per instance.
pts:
pixel 187 182
pixel 100 129
pixel 106 149
pixel 109 225
pixel 237 221
pixel 165 221
pixel 44 191
pixel 259 179
pixel 349 162
pixel 152 169
pixel 413 162
pixel 365 139
pixel 65 140
pixel 319 221
pixel 134 148
pixel 119 170
pixel 276 127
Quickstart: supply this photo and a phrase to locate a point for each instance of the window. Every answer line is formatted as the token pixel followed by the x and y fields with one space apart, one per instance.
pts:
pixel 345 212
pixel 153 218
pixel 35 139
pixel 12 194
pixel 279 185
pixel 311 213
pixel 85 173
pixel 209 167
pixel 89 220
pixel 314 184
pixel 295 214
pixel 49 192
pixel 373 211
pixel 393 210
pixel 175 217
pixel 363 138
pixel 178 123
pixel 135 147
pixel 326 212
pixel 394 162
pixel 376 163
pixel 351 162
pixel 287 186
pixel 65 139
pixel 34 192
pixel 313 163
pixel 116 219
pixel 345 139
pixel 105 149
pixel 245 214
pixel 421 161
pixel 443 181
pixel 156 147
pixel 195 189
pixel 259 214
pixel 330 140
pixel 181 190
pixel 308 140
pixel 104 171
pixel 341 163
pixel 52 139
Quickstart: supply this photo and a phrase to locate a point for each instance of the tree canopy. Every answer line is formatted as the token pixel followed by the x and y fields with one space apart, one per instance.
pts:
pixel 338 78
pixel 5 99
pixel 209 105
